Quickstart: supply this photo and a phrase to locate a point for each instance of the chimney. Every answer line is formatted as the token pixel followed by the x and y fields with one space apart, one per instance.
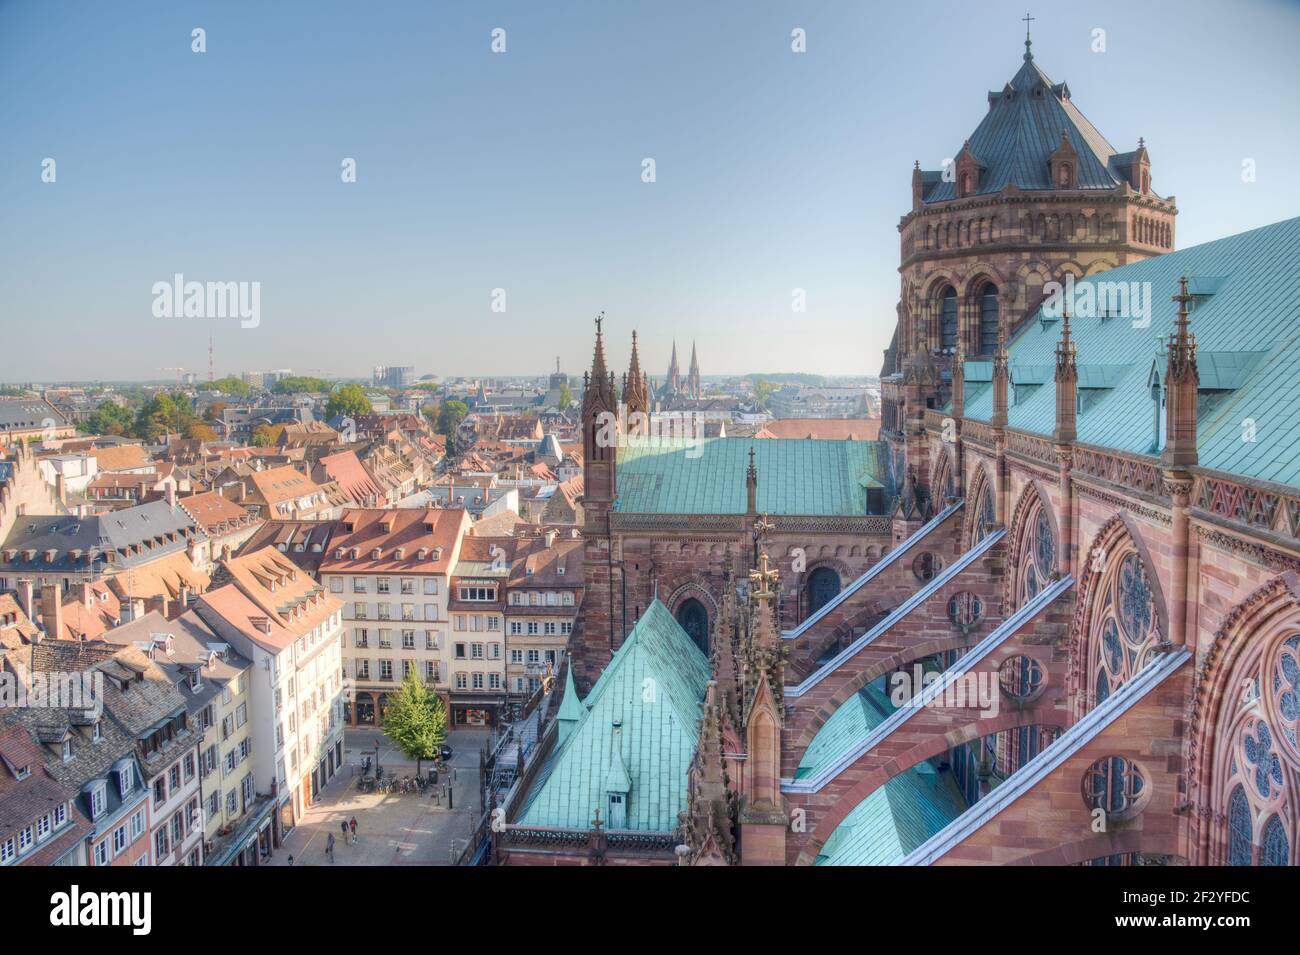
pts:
pixel 26 599
pixel 171 495
pixel 52 610
pixel 87 595
pixel 61 489
pixel 550 537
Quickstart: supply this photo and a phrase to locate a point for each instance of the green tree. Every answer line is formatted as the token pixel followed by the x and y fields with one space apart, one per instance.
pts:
pixel 566 396
pixel 349 401
pixel 763 390
pixel 450 415
pixel 297 384
pixel 162 414
pixel 415 720
pixel 109 418
pixel 230 385
pixel 266 435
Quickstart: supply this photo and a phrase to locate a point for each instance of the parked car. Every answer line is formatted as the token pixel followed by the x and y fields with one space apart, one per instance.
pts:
pixel 446 754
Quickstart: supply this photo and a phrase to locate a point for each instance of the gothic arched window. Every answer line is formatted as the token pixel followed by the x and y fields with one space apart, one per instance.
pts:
pixel 1039 556
pixel 1277 848
pixel 1125 627
pixel 1239 852
pixel 1260 775
pixel 989 320
pixel 948 318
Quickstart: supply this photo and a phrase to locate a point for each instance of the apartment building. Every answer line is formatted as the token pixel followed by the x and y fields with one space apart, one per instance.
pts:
pixel 40 823
pixel 289 628
pixel 111 755
pixel 391 568
pixel 543 598
pixel 477 661
pixel 239 823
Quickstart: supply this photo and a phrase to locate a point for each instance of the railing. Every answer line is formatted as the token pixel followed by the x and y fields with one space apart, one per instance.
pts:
pixel 1265 506
pixel 1032 446
pixel 976 431
pixel 621 840
pixel 934 419
pixel 1133 472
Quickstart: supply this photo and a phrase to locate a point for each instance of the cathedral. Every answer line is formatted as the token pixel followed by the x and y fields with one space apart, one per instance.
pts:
pixel 1051 617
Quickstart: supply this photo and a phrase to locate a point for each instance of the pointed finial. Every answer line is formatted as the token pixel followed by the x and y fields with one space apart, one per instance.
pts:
pixel 1182 298
pixel 1029 55
pixel 1141 143
pixel 918 164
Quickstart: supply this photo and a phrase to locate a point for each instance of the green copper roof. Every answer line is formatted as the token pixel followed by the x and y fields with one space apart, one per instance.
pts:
pixel 1245 318
pixel 570 707
pixel 851 721
pixel 811 476
pixel 647 705
pixel 895 819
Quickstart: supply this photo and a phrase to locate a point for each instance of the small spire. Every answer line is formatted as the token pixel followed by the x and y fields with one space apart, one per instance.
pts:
pixel 1029 53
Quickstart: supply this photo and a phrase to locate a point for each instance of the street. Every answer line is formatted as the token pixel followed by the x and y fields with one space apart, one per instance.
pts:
pixel 392 829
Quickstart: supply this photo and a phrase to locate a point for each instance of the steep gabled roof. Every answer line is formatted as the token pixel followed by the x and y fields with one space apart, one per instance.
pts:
pixel 647 704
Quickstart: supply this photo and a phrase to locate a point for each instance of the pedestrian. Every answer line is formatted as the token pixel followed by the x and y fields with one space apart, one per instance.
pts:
pixel 290 860
pixel 344 826
pixel 329 847
pixel 354 830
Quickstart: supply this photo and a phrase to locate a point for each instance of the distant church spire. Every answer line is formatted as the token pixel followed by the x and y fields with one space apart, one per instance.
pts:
pixel 635 395
pixel 693 376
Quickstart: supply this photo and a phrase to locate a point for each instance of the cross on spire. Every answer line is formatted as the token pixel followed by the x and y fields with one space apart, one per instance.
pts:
pixel 1027 19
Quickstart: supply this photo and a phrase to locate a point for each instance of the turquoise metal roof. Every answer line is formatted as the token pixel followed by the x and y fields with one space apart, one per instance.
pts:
pixel 851 721
pixel 811 476
pixel 1246 320
pixel 646 708
pixel 895 819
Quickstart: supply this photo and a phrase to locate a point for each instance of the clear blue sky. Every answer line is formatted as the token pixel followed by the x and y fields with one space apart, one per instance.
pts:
pixel 522 170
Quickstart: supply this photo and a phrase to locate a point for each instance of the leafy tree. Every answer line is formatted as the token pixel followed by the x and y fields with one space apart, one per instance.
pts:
pixel 566 396
pixel 415 720
pixel 201 431
pixel 164 413
pixel 296 384
pixel 266 435
pixel 109 418
pixel 349 400
pixel 763 391
pixel 213 411
pixel 230 385
pixel 450 415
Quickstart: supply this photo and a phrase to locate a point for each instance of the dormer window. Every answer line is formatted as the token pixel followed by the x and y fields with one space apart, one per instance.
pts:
pixel 67 750
pixel 22 772
pixel 96 731
pixel 196 680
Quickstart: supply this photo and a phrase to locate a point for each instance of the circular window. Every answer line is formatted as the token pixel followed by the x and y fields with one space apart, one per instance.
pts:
pixel 1021 677
pixel 926 566
pixel 1117 786
pixel 965 610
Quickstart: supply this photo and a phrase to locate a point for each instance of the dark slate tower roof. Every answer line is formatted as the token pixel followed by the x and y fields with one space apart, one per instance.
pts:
pixel 1023 127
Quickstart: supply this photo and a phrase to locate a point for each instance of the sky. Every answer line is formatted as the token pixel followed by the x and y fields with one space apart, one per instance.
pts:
pixel 523 170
